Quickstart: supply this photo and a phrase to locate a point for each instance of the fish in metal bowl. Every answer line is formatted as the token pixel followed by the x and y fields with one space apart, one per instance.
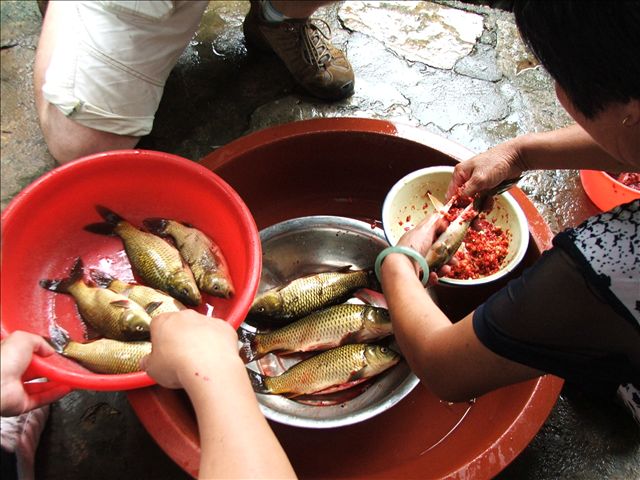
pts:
pixel 318 341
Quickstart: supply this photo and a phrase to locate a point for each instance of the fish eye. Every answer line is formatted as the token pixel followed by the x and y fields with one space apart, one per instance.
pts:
pixel 261 309
pixel 384 349
pixel 139 328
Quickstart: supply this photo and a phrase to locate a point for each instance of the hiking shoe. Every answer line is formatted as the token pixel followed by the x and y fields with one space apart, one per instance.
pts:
pixel 316 65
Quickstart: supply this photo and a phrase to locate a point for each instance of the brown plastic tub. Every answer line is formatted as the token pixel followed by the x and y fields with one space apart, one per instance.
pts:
pixel 345 166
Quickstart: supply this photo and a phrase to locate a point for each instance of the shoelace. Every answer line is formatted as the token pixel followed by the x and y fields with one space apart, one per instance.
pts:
pixel 316 51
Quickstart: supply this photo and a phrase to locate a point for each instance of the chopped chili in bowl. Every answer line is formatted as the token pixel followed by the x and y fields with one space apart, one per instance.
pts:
pixel 484 248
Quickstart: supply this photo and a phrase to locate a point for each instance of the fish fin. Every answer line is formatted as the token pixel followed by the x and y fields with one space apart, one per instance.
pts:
pixel 62 285
pixel 124 303
pixel 257 382
pixel 58 339
pixel 371 297
pixel 53 285
pixel 357 375
pixel 92 333
pixel 344 269
pixel 109 215
pixel 150 307
pixel 248 351
pixel 156 225
pixel 101 228
pixel 103 279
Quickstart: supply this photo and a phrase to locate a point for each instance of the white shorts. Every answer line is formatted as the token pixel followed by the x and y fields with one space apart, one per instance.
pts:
pixel 112 58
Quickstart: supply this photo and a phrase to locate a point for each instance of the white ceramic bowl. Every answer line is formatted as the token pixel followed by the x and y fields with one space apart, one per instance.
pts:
pixel 407 204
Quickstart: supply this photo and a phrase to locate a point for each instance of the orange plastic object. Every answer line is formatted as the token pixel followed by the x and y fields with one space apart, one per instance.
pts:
pixel 605 191
pixel 42 234
pixel 345 166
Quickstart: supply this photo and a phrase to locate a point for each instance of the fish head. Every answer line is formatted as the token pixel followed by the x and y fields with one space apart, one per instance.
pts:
pixel 269 303
pixel 182 287
pixel 137 325
pixel 217 285
pixel 380 358
pixel 377 320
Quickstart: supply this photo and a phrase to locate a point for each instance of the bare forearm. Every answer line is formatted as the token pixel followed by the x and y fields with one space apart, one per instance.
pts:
pixel 416 318
pixel 448 358
pixel 235 438
pixel 569 147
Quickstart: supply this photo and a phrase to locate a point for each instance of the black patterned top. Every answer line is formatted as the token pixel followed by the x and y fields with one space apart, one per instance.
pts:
pixel 576 312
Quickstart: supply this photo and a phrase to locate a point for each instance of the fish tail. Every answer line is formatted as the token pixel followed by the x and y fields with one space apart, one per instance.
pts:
pixel 102 279
pixel 248 351
pixel 105 228
pixel 156 225
pixel 62 285
pixel 59 338
pixel 258 382
pixel 101 228
pixel 110 216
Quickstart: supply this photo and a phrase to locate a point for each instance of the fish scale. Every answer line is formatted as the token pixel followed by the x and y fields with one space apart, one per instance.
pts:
pixel 151 256
pixel 98 307
pixel 326 329
pixel 111 313
pixel 307 294
pixel 158 263
pixel 201 253
pixel 140 294
pixel 108 356
pixel 333 368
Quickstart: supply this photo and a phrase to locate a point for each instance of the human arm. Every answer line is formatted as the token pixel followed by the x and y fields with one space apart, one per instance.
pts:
pixel 16 352
pixel 570 147
pixel 200 354
pixel 447 357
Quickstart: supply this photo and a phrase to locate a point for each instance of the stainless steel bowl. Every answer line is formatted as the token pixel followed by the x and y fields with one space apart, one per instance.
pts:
pixel 308 245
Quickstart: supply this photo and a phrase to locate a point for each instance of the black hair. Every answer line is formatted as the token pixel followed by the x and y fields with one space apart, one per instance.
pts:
pixel 591 48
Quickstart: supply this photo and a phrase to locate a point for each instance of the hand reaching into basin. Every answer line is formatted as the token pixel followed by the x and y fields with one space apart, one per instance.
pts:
pixel 200 354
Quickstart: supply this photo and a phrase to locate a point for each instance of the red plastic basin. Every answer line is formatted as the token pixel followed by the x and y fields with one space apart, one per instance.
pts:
pixel 605 191
pixel 42 234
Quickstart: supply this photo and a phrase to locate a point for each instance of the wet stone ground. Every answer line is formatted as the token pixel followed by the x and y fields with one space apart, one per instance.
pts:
pixel 452 68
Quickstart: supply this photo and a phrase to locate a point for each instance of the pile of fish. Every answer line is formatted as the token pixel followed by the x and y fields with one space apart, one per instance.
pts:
pixel 174 275
pixel 339 334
